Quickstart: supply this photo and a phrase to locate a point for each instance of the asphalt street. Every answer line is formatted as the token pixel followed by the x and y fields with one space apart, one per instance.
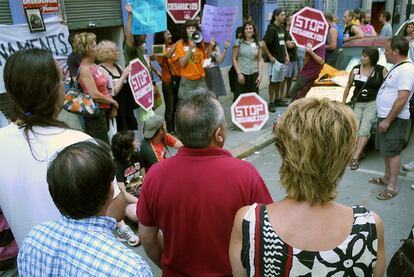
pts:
pixel 354 188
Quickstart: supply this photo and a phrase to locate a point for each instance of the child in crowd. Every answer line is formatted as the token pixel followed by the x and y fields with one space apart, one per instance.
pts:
pixel 130 172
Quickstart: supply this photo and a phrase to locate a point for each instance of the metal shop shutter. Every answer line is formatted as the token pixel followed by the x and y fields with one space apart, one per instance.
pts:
pixel 346 5
pixel 289 6
pixel 5 14
pixel 83 14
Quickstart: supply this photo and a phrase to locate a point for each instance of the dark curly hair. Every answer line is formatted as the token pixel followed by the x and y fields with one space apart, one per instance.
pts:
pixel 122 145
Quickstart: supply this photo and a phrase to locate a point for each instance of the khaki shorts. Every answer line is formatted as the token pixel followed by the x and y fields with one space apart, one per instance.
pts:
pixel 366 114
pixel 391 143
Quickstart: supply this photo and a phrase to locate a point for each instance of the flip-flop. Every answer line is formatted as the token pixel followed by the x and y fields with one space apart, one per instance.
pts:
pixel 377 181
pixel 387 194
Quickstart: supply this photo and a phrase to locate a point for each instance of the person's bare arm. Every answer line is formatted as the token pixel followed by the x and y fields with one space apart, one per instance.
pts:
pixel 152 241
pixel 236 244
pixel 240 76
pixel 220 58
pixel 86 77
pixel 267 52
pixel 332 39
pixel 155 70
pixel 128 197
pixel 116 208
pixel 129 38
pixel 379 268
pixel 184 60
pixel 348 87
pixel 398 105
pixel 172 50
pixel 320 60
pixel 358 34
pixel 259 65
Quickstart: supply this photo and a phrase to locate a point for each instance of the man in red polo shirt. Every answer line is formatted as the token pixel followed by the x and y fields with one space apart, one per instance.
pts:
pixel 193 197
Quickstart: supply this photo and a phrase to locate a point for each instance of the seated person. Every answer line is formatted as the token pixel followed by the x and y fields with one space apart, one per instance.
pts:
pixel 130 170
pixel 81 242
pixel 156 138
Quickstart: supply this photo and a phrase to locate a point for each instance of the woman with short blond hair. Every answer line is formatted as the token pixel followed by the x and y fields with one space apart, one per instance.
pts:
pixel 307 232
pixel 108 55
pixel 96 84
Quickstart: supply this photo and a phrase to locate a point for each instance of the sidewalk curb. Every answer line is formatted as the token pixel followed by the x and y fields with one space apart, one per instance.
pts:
pixel 247 149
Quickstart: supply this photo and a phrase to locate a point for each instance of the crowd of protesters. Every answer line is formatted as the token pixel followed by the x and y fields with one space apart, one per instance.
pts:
pixel 65 194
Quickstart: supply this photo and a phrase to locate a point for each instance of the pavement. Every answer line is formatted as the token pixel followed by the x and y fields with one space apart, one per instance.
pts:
pixel 242 144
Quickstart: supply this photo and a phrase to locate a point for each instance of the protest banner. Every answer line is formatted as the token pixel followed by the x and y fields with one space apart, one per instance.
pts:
pixel 181 10
pixel 17 37
pixel 141 85
pixel 218 22
pixel 148 16
pixel 249 112
pixel 309 28
pixel 46 6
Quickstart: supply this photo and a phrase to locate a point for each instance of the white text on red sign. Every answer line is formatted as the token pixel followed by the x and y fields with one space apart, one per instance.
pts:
pixel 250 113
pixel 182 6
pixel 309 24
pixel 141 82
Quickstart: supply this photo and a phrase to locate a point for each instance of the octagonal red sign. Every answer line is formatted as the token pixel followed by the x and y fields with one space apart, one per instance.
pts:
pixel 141 85
pixel 249 112
pixel 181 10
pixel 309 28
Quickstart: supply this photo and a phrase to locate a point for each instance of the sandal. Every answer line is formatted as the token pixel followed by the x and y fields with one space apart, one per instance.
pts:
pixel 354 164
pixel 387 194
pixel 377 181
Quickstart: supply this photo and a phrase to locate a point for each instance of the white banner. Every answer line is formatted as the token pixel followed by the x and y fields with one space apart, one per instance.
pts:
pixel 17 37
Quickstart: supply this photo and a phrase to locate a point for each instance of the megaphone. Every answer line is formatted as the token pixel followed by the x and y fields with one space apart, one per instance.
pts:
pixel 196 36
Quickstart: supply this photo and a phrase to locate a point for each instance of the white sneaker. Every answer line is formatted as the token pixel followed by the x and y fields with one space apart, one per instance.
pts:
pixel 125 234
pixel 412 186
pixel 409 166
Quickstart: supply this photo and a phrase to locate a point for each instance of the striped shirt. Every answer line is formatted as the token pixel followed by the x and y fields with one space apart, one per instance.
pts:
pixel 85 247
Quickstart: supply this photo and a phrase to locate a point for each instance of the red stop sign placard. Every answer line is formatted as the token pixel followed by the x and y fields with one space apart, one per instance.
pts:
pixel 141 85
pixel 249 112
pixel 309 28
pixel 181 10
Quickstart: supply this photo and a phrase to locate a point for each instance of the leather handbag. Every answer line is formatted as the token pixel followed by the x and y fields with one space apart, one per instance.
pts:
pixel 77 101
pixel 402 263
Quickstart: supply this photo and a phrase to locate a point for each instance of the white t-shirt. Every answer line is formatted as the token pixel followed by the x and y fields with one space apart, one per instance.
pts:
pixel 399 78
pixel 24 192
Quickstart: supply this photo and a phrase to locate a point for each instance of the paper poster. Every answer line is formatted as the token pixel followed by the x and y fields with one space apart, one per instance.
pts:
pixel 218 22
pixel 148 16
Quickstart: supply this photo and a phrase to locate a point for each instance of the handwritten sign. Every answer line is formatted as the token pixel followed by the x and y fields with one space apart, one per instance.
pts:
pixel 148 16
pixel 218 22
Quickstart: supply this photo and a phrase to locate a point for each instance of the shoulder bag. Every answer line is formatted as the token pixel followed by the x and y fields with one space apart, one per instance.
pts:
pixel 402 263
pixel 75 100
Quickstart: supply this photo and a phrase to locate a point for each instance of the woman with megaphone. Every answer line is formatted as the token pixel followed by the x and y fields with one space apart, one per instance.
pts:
pixel 191 53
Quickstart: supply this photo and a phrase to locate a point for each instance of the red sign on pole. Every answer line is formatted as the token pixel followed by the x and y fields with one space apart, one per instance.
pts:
pixel 309 28
pixel 249 112
pixel 181 10
pixel 46 6
pixel 141 85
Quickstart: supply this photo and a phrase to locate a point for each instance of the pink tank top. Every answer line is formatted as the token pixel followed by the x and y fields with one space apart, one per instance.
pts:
pixel 101 82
